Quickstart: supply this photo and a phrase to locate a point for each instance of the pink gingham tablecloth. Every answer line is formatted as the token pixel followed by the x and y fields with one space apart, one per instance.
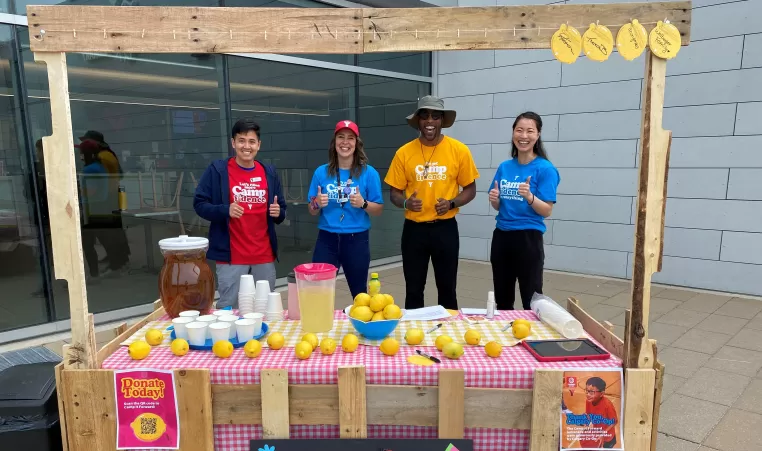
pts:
pixel 513 369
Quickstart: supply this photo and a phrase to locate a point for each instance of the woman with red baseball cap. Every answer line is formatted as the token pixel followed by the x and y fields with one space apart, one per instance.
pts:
pixel 345 192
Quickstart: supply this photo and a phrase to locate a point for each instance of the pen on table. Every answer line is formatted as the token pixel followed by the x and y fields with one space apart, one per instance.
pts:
pixel 434 328
pixel 508 326
pixel 432 358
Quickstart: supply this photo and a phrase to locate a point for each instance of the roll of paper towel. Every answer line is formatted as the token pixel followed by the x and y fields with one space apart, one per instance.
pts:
pixel 556 316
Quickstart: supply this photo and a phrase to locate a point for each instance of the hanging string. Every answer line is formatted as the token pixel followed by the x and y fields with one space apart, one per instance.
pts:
pixel 351 34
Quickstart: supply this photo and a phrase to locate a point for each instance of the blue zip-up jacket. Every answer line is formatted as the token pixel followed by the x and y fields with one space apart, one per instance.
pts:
pixel 212 202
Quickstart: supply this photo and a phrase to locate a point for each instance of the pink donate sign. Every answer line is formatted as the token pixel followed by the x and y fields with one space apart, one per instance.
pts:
pixel 146 410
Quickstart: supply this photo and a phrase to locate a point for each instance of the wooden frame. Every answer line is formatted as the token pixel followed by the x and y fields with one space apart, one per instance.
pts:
pixel 55 30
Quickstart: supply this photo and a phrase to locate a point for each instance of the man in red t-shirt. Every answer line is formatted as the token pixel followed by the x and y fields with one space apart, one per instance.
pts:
pixel 243 199
pixel 597 404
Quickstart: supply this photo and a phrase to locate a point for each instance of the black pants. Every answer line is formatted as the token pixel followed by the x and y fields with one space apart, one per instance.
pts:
pixel 440 242
pixel 348 250
pixel 516 254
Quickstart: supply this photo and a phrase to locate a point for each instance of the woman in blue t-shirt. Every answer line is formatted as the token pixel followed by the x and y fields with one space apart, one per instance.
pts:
pixel 523 191
pixel 345 192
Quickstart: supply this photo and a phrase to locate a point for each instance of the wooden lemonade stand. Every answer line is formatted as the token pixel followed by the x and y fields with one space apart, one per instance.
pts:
pixel 86 392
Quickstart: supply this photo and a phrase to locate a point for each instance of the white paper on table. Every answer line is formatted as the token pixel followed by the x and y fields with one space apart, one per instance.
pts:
pixel 426 313
pixel 473 311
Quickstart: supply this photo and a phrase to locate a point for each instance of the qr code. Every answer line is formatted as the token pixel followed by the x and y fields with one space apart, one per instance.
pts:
pixel 147 426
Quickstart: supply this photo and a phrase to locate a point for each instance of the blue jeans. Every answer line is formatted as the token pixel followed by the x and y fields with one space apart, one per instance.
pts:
pixel 348 250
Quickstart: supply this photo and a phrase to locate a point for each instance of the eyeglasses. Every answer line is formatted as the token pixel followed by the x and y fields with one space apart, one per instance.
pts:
pixel 591 392
pixel 436 115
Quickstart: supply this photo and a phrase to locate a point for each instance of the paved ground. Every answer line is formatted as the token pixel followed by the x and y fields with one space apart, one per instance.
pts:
pixel 711 344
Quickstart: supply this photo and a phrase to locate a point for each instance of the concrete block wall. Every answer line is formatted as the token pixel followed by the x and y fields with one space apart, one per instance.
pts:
pixel 591 114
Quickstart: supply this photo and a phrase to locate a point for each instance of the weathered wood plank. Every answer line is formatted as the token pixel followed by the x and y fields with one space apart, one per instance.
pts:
pixel 451 403
pixel 602 334
pixel 194 404
pixel 649 222
pixel 546 425
pixel 157 29
pixel 638 408
pixel 111 347
pixel 353 413
pixel 275 419
pixel 182 29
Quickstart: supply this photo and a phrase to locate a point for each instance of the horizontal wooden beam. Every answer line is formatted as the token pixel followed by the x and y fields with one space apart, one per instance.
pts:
pixel 386 404
pixel 161 29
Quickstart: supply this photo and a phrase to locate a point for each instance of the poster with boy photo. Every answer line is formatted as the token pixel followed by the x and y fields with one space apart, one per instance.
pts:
pixel 591 409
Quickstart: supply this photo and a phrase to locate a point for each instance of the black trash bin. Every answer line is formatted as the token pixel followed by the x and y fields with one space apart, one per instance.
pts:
pixel 29 408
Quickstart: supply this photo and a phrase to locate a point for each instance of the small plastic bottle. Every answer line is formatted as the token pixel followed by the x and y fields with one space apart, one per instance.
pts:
pixel 490 305
pixel 374 286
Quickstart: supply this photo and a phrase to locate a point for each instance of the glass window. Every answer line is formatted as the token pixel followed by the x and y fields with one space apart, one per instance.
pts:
pixel 157 122
pixel 23 301
pixel 4 6
pixel 20 5
pixel 405 62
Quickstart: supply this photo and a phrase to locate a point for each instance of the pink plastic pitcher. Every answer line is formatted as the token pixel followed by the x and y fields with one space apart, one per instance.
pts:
pixel 316 288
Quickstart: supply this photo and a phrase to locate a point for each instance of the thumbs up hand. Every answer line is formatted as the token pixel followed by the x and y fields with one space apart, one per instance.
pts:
pixel 524 189
pixel 275 208
pixel 413 203
pixel 322 198
pixel 494 194
pixel 356 200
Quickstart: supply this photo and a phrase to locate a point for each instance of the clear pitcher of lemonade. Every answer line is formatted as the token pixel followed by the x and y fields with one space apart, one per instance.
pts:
pixel 316 285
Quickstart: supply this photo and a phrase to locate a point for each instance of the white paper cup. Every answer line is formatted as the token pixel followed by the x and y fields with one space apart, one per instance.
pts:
pixel 197 333
pixel 190 314
pixel 246 285
pixel 245 329
pixel 257 317
pixel 207 319
pixel 263 289
pixel 230 320
pixel 220 331
pixel 219 313
pixel 179 324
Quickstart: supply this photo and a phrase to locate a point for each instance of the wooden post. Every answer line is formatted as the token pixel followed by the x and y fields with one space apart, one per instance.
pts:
pixel 638 408
pixel 451 403
pixel 649 223
pixel 275 419
pixel 63 201
pixel 353 411
pixel 547 396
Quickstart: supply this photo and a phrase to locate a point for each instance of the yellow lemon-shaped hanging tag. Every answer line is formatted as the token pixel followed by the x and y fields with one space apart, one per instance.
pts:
pixel 631 40
pixel 566 44
pixel 597 42
pixel 664 40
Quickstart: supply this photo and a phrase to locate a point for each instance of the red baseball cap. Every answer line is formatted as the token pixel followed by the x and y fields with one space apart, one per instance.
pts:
pixel 347 124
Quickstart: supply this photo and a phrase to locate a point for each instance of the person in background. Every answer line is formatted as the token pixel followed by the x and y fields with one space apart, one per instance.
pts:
pixel 345 192
pixel 425 177
pixel 95 210
pixel 242 198
pixel 523 192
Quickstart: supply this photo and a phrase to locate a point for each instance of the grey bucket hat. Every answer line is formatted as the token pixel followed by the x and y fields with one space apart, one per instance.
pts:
pixel 434 104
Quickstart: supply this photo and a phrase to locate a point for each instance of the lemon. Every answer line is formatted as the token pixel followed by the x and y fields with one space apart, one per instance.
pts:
pixel 493 349
pixel 522 321
pixel 378 302
pixel 362 313
pixel 452 350
pixel 414 336
pixel 350 343
pixel 472 337
pixel 252 348
pixel 328 346
pixel 378 316
pixel 223 349
pixel 311 339
pixel 139 350
pixel 276 340
pixel 521 331
pixel 441 341
pixel 154 337
pixel 389 299
pixel 303 350
pixel 392 311
pixel 362 299
pixel 389 346
pixel 179 347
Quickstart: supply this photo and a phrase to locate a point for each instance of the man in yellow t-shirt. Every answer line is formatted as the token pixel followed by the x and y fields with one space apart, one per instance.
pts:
pixel 426 176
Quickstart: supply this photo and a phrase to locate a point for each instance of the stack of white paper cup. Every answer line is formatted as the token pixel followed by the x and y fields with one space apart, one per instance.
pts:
pixel 274 307
pixel 260 298
pixel 246 294
pixel 197 333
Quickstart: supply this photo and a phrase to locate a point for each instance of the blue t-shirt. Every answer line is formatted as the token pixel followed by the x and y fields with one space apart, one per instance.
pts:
pixel 355 219
pixel 515 212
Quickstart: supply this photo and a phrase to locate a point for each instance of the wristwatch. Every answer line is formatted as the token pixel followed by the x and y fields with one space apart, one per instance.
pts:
pixel 452 205
pixel 365 204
